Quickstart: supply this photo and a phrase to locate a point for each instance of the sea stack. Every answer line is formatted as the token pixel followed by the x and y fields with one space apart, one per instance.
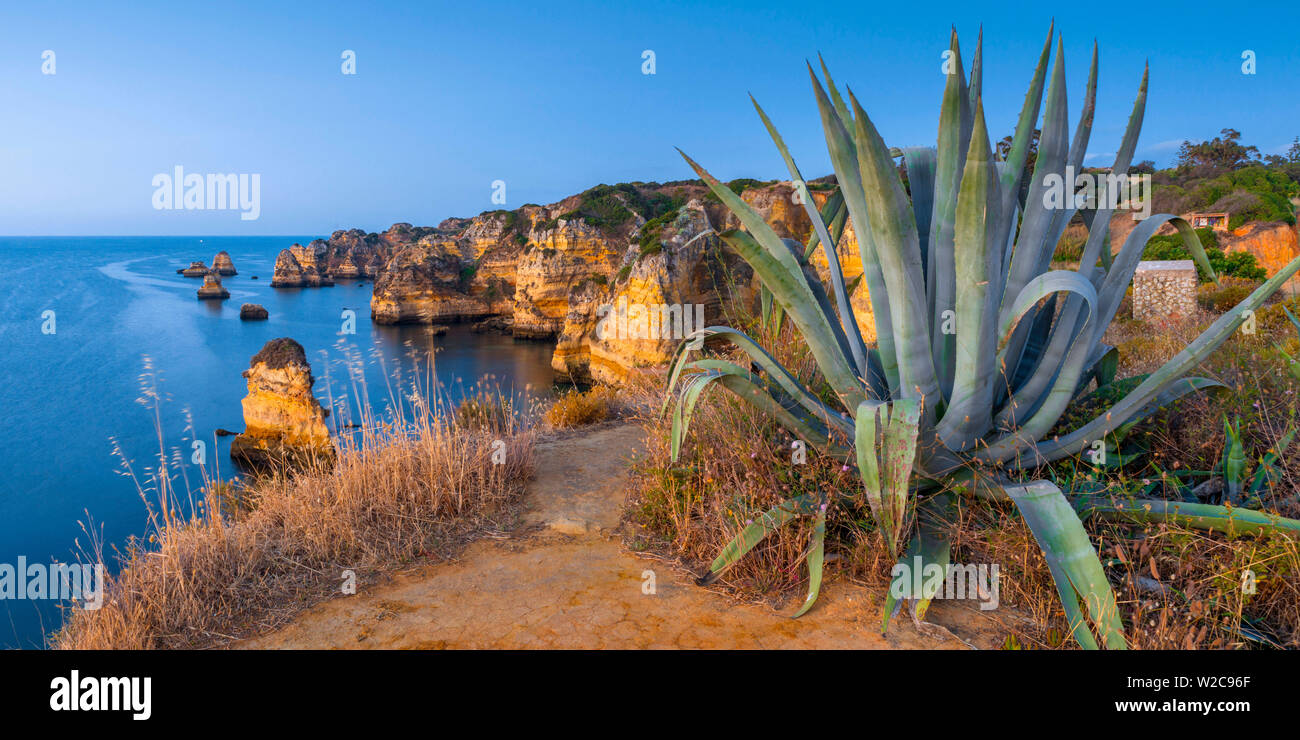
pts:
pixel 253 312
pixel 223 265
pixel 212 288
pixel 284 424
pixel 196 269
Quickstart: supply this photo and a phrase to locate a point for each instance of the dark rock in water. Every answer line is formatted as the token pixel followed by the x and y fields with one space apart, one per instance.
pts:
pixel 212 288
pixel 195 270
pixel 494 324
pixel 222 264
pixel 438 329
pixel 254 277
pixel 253 312
pixel 225 432
pixel 284 424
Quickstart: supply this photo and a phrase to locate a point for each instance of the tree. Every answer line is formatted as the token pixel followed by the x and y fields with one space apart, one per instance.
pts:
pixel 1221 154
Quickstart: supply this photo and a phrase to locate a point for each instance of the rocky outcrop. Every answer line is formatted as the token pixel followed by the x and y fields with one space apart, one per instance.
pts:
pixel 223 264
pixel 290 272
pixel 667 291
pixel 253 312
pixel 347 269
pixel 1274 243
pixel 195 270
pixel 212 288
pixel 284 424
pixel 565 257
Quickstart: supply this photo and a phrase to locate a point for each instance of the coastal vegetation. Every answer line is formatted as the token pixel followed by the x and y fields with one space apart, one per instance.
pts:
pixel 249 556
pixel 929 419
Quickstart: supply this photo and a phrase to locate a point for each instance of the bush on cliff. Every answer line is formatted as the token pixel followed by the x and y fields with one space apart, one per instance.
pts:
pixel 1238 264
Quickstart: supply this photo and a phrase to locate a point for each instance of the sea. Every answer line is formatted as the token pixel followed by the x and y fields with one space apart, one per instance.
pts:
pixel 106 355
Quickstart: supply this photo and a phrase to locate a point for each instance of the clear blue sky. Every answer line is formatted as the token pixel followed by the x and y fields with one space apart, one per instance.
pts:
pixel 549 97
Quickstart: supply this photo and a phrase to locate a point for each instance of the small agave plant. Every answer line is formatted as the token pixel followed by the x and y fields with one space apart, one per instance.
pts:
pixel 925 412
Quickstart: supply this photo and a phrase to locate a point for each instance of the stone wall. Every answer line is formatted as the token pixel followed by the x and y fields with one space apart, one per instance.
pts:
pixel 1164 289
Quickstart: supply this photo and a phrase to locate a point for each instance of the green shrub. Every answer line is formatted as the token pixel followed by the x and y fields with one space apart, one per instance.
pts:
pixel 1238 264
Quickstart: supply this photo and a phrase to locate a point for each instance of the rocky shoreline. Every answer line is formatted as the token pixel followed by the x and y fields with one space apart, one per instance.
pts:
pixel 551 272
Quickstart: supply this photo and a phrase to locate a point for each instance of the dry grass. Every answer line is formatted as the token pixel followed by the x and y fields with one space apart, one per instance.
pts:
pixel 579 408
pixel 247 561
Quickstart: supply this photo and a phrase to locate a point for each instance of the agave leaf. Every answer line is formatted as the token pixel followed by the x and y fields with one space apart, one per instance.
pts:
pixel 778 269
pixel 770 521
pixel 885 444
pixel 844 159
pixel 1137 399
pixel 769 365
pixel 1268 473
pixel 950 161
pixel 841 108
pixel 1014 171
pixel 1073 561
pixel 967 416
pixel 1098 244
pixel 816 556
pixel 1231 521
pixel 1234 462
pixel 893 227
pixel 930 546
pixel 849 326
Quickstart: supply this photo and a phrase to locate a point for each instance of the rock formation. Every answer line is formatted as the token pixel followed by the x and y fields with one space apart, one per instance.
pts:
pixel 253 312
pixel 195 270
pixel 212 288
pixel 290 272
pixel 1274 244
pixel 223 265
pixel 283 421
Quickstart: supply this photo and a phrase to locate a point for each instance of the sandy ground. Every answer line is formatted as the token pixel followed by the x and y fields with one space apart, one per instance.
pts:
pixel 564 580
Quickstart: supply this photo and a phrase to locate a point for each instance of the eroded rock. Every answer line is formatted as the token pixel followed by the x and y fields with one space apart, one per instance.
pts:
pixel 284 424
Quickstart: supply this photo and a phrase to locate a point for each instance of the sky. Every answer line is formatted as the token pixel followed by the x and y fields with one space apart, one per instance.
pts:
pixel 550 98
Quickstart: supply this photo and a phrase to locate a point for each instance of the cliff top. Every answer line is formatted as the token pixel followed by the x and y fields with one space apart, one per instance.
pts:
pixel 279 353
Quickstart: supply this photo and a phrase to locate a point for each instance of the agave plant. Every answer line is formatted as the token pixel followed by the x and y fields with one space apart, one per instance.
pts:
pixel 925 410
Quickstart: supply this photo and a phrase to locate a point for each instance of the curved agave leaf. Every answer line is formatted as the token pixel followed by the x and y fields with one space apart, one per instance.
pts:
pixel 1149 389
pixel 1073 561
pixel 768 364
pixel 770 521
pixel 751 388
pixel 816 557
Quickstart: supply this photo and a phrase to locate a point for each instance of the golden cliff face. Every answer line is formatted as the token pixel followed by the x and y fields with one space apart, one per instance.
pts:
pixel 283 421
pixel 552 270
pixel 666 292
pixel 1273 244
pixel 562 260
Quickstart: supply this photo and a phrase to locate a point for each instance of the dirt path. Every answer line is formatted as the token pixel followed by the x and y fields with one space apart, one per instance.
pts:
pixel 572 585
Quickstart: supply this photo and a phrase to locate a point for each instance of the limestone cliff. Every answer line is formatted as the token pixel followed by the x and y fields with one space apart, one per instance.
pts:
pixel 283 421
pixel 1274 244
pixel 673 282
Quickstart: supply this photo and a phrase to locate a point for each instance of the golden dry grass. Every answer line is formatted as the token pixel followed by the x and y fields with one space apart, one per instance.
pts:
pixel 579 408
pixel 400 491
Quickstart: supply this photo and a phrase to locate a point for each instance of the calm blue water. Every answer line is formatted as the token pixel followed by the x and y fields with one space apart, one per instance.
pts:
pixel 118 300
